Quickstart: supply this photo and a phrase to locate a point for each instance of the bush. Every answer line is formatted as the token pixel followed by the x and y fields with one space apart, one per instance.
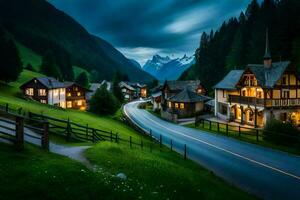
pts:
pixel 281 133
pixel 104 102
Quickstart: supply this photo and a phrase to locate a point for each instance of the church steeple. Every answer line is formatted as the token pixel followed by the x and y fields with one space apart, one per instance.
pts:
pixel 267 56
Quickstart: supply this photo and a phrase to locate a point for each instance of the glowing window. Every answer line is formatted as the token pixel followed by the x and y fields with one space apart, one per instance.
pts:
pixel 69 104
pixel 182 106
pixel 43 101
pixel 69 94
pixel 79 103
pixel 29 91
pixel 79 94
pixel 62 91
pixel 55 92
pixel 176 105
pixel 170 104
pixel 42 92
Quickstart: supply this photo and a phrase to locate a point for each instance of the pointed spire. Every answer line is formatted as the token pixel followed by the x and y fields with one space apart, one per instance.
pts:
pixel 267 52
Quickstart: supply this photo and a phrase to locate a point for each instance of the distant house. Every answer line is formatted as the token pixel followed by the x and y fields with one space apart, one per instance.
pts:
pixel 183 99
pixel 92 90
pixel 46 90
pixel 127 91
pixel 109 85
pixel 75 96
pixel 50 91
pixel 140 89
pixel 156 101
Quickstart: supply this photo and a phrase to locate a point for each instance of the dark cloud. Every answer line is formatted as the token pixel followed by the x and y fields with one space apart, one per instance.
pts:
pixel 140 28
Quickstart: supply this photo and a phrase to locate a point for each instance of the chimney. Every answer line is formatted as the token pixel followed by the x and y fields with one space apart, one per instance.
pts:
pixel 267 57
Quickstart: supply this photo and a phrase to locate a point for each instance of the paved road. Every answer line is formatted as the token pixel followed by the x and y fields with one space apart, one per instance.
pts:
pixel 267 173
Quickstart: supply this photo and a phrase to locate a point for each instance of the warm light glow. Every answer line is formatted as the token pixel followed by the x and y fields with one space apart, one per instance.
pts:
pixel 42 92
pixel 182 106
pixel 176 105
pixel 69 104
pixel 79 103
pixel 69 94
pixel 29 91
pixel 79 94
pixel 170 104
pixel 55 92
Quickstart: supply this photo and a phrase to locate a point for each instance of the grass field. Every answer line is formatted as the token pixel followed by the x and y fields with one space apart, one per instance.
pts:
pixel 35 174
pixel 29 56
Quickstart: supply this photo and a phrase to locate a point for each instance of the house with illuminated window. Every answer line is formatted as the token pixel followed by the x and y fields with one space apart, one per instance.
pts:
pixel 182 99
pixel 259 93
pixel 46 90
pixel 50 91
pixel 75 96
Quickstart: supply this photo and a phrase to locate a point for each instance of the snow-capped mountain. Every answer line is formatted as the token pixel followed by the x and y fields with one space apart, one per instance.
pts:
pixel 165 68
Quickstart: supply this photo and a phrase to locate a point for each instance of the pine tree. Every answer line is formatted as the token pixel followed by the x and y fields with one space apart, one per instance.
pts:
pixel 82 80
pixel 11 65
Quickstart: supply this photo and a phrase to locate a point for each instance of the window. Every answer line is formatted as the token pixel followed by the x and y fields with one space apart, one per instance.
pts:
pixel 259 94
pixel 43 101
pixel 29 91
pixel 79 103
pixel 123 90
pixel 170 104
pixel 176 105
pixel 69 104
pixel 62 91
pixel 182 106
pixel 76 88
pixel 69 94
pixel 79 94
pixel 42 92
pixel 55 92
pixel 286 94
pixel 224 94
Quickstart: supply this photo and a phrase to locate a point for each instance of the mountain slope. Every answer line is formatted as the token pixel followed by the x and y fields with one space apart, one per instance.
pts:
pixel 40 26
pixel 165 68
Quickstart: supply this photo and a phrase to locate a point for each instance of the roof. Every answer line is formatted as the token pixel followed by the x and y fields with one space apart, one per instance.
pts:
pixel 124 84
pixel 230 80
pixel 181 85
pixel 94 86
pixel 157 94
pixel 135 85
pixel 188 96
pixel 108 85
pixel 211 103
pixel 69 84
pixel 268 76
pixel 50 83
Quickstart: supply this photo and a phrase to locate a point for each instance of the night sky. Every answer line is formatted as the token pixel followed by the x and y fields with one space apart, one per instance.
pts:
pixel 142 28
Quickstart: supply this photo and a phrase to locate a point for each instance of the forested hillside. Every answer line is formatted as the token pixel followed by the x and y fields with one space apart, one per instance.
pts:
pixel 39 26
pixel 241 41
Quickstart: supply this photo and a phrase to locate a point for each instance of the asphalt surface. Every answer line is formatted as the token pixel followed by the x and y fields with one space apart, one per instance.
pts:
pixel 264 172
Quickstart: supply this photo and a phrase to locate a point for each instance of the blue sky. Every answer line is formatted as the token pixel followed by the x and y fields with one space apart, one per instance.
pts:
pixel 142 28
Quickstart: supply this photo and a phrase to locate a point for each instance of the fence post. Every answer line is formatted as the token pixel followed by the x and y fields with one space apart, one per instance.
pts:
pixel 68 130
pixel 209 125
pixel 87 130
pixel 160 141
pixel 171 145
pixel 185 152
pixel 218 124
pixel 94 137
pixel 19 133
pixel 111 136
pixel 202 123
pixel 45 137
pixel 239 131
pixel 20 111
pixel 227 129
pixel 130 141
pixel 257 132
pixel 6 108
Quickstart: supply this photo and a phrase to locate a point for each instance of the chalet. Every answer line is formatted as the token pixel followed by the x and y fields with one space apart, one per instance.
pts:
pixel 259 93
pixel 46 90
pixel 183 99
pixel 75 96
pixel 140 89
pixel 92 90
pixel 127 90
pixel 50 91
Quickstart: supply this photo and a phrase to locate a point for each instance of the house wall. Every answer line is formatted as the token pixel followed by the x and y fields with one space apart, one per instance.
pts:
pixel 57 96
pixel 36 86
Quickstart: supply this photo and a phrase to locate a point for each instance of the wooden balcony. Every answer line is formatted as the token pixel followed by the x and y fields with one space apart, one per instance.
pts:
pixel 292 102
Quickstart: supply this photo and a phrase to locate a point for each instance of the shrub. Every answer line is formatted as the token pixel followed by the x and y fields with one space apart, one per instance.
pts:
pixel 281 133
pixel 104 102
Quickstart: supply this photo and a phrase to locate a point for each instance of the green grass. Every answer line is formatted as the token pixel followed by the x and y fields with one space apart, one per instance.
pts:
pixel 156 175
pixel 29 56
pixel 251 138
pixel 160 175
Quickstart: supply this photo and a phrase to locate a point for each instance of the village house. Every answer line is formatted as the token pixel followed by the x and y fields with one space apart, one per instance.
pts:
pixel 259 93
pixel 182 99
pixel 133 91
pixel 127 91
pixel 75 96
pixel 50 91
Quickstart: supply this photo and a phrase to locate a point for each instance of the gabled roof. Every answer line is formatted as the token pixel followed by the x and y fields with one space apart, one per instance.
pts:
pixel 94 86
pixel 267 77
pixel 48 82
pixel 135 85
pixel 124 84
pixel 181 85
pixel 230 80
pixel 69 84
pixel 188 96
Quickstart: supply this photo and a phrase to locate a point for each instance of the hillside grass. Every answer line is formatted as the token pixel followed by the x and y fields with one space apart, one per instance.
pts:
pixel 28 56
pixel 78 70
pixel 151 175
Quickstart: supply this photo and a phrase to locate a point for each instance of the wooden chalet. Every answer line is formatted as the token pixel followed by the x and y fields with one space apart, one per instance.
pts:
pixel 259 93
pixel 75 96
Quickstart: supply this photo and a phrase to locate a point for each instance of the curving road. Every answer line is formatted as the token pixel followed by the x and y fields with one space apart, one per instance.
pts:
pixel 267 173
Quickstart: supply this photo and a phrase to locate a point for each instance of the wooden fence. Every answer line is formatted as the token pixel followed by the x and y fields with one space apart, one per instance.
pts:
pixel 238 131
pixel 14 127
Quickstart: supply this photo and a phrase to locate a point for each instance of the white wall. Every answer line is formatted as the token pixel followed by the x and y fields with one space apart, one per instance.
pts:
pixel 56 96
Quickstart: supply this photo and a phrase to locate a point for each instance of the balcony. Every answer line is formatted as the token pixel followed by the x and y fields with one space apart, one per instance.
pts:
pixel 267 102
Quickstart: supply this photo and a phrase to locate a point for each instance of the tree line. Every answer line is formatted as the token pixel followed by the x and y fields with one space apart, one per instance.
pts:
pixel 241 40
